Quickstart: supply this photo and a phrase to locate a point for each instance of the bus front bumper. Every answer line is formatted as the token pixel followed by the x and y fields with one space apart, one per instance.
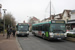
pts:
pixel 23 34
pixel 58 37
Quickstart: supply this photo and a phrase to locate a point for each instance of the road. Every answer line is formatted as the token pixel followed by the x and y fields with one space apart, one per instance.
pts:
pixel 36 43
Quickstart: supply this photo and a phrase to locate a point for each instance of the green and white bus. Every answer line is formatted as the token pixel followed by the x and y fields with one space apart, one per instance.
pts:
pixel 22 29
pixel 54 29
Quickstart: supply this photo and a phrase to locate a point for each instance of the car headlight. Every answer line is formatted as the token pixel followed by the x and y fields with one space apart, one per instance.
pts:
pixel 65 34
pixel 73 33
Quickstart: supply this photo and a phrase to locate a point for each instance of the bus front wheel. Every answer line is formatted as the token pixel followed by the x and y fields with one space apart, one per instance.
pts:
pixel 43 36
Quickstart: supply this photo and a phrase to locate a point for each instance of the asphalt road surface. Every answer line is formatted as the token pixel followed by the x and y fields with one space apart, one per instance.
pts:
pixel 36 43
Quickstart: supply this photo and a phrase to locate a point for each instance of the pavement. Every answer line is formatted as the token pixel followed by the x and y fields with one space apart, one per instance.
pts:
pixel 8 44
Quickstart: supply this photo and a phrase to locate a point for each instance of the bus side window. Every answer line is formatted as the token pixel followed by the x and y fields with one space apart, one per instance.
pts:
pixel 47 27
pixel 36 27
pixel 43 28
pixel 40 27
pixel 33 27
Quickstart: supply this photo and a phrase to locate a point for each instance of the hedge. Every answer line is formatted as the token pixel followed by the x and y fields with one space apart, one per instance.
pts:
pixel 71 35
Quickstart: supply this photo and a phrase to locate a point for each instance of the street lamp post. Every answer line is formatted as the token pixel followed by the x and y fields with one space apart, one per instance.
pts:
pixel 4 21
pixel 11 22
pixel 0 10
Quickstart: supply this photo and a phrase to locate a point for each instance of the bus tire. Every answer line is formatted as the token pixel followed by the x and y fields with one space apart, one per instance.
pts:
pixel 34 35
pixel 43 36
pixel 27 36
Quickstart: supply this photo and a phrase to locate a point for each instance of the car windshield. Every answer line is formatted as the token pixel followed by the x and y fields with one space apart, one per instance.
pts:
pixel 58 28
pixel 23 27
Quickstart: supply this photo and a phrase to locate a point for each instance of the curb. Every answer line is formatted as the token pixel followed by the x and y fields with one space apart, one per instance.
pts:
pixel 70 39
pixel 19 47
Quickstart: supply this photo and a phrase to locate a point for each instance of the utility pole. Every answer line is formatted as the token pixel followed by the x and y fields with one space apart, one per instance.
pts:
pixel 4 20
pixel 50 9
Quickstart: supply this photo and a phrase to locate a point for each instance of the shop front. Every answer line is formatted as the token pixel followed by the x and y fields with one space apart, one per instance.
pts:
pixel 70 25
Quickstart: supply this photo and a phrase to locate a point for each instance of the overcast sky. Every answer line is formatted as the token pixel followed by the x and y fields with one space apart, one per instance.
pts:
pixel 38 8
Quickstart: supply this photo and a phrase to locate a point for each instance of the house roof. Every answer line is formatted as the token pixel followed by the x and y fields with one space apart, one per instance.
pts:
pixel 67 12
pixel 60 16
pixel 34 18
pixel 52 16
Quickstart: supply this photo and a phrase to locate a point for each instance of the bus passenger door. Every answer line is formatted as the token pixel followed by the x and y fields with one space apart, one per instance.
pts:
pixel 47 34
pixel 46 29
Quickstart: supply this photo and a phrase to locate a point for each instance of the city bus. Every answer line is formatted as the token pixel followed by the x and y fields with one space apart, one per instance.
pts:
pixel 54 29
pixel 22 29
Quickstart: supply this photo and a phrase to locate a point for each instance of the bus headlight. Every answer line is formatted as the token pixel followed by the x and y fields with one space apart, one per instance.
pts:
pixel 17 32
pixel 51 34
pixel 27 32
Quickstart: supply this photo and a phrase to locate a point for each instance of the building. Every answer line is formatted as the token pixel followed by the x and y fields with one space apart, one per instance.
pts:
pixel 66 15
pixel 70 24
pixel 33 20
pixel 48 19
pixel 52 17
pixel 69 17
pixel 58 17
pixel 45 20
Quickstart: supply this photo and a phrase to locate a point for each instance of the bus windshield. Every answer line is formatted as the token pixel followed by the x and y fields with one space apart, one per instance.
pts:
pixel 23 28
pixel 58 28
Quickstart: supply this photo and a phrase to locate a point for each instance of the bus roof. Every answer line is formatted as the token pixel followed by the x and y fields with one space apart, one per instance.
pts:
pixel 42 23
pixel 52 21
pixel 22 24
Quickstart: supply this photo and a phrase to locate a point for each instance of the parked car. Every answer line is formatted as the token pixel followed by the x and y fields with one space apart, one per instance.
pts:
pixel 70 32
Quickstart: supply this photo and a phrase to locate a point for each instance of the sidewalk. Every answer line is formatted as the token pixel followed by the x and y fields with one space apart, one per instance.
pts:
pixel 8 44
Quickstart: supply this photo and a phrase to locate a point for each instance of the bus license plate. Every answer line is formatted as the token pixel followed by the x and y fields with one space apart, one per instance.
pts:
pixel 22 34
pixel 59 38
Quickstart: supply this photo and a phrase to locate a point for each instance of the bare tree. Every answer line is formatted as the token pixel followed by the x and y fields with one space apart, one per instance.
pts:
pixel 9 20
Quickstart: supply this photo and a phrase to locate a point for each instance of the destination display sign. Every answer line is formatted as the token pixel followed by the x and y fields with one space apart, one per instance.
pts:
pixel 58 21
pixel 22 24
